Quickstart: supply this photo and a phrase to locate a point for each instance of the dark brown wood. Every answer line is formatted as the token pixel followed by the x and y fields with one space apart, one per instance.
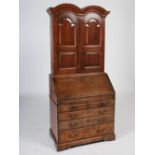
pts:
pixel 85 113
pixel 84 122
pixel 53 119
pixel 82 98
pixel 83 106
pixel 66 145
pixel 92 84
pixel 87 132
pixel 77 45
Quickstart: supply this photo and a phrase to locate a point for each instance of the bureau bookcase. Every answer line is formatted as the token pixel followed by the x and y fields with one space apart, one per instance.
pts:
pixel 82 98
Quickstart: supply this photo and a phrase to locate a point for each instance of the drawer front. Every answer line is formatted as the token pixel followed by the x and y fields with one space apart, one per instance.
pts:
pixel 84 122
pixel 84 106
pixel 85 113
pixel 87 99
pixel 87 132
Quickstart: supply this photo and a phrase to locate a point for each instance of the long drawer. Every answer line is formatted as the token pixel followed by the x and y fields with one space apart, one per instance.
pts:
pixel 87 132
pixel 85 113
pixel 90 99
pixel 84 106
pixel 84 122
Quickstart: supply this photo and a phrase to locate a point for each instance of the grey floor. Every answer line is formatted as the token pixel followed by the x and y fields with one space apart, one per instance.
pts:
pixel 34 126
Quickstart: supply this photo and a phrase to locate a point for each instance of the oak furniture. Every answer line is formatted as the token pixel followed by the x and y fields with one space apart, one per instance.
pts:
pixel 82 98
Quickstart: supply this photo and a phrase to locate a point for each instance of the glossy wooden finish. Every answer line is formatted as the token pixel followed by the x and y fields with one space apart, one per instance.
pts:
pixel 82 98
pixel 78 40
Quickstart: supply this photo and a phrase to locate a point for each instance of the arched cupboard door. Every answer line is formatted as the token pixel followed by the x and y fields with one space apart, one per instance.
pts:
pixel 67 31
pixel 92 46
pixel 77 38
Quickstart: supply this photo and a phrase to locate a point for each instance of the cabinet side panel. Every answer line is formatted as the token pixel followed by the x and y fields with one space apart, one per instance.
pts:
pixel 53 108
pixel 53 119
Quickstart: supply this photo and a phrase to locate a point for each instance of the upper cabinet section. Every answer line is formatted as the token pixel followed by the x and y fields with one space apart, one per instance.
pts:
pixel 72 8
pixel 77 39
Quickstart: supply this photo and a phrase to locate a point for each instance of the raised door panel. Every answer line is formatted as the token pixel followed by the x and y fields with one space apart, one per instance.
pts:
pixel 67 52
pixel 67 32
pixel 92 50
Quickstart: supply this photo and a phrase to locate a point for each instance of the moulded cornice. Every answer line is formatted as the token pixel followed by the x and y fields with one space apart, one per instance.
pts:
pixel 77 10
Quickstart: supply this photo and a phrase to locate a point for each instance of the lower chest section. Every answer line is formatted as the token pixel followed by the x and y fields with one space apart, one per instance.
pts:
pixel 85 118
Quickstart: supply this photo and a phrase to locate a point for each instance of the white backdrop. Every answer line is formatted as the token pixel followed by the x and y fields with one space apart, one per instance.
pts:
pixel 35 68
pixel 35 47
